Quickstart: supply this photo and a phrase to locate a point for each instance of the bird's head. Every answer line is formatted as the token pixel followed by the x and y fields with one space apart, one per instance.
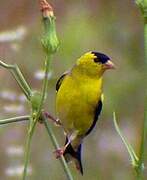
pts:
pixel 94 63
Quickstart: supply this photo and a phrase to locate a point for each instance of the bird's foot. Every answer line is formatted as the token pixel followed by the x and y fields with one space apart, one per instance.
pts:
pixel 49 116
pixel 59 152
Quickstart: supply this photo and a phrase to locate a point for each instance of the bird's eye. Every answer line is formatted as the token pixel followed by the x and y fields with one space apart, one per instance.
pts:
pixel 96 60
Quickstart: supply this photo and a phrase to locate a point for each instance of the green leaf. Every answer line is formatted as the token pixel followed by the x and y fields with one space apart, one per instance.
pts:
pixel 132 154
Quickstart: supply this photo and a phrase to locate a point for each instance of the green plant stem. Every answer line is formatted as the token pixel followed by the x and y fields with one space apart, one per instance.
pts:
pixel 43 92
pixel 34 120
pixel 17 74
pixel 143 148
pixel 133 156
pixel 28 146
pixel 27 156
pixel 56 146
pixel 14 119
pixel 145 40
pixel 45 84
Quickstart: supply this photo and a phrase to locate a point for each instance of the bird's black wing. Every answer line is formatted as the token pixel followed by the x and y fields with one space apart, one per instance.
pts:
pixel 60 80
pixel 96 115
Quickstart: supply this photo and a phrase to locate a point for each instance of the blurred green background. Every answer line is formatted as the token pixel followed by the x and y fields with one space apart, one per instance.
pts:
pixel 113 27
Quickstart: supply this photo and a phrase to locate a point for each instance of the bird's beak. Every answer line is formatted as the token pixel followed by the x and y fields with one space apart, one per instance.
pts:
pixel 109 65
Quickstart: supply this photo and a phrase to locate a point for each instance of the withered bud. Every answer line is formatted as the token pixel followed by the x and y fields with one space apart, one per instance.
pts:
pixel 49 41
pixel 46 8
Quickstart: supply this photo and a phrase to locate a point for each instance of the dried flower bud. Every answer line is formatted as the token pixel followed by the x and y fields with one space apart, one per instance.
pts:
pixel 46 8
pixel 49 41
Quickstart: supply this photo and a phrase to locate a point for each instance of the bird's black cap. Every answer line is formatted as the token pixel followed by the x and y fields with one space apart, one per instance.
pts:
pixel 100 57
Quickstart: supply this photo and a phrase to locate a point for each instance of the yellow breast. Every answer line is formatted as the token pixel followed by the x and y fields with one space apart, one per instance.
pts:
pixel 76 101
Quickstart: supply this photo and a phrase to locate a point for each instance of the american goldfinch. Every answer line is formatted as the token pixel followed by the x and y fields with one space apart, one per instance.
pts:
pixel 79 102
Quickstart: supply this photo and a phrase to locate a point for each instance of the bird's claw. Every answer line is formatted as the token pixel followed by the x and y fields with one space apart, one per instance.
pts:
pixel 49 116
pixel 59 152
pixel 58 122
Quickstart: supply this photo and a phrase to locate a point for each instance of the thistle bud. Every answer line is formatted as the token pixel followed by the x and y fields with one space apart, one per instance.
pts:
pixel 49 40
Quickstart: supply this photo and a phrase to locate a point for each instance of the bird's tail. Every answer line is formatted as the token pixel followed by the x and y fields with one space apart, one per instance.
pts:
pixel 75 155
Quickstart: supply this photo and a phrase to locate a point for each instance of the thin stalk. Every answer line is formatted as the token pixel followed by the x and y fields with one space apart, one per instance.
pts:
pixel 43 92
pixel 34 121
pixel 143 154
pixel 133 156
pixel 56 146
pixel 17 74
pixel 45 83
pixel 14 119
pixel 28 147
pixel 145 40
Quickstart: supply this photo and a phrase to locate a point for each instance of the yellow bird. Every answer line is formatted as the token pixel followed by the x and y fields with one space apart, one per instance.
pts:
pixel 79 102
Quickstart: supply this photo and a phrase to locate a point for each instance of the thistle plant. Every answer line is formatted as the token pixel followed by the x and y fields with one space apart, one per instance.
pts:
pixel 142 4
pixel 138 161
pixel 37 99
